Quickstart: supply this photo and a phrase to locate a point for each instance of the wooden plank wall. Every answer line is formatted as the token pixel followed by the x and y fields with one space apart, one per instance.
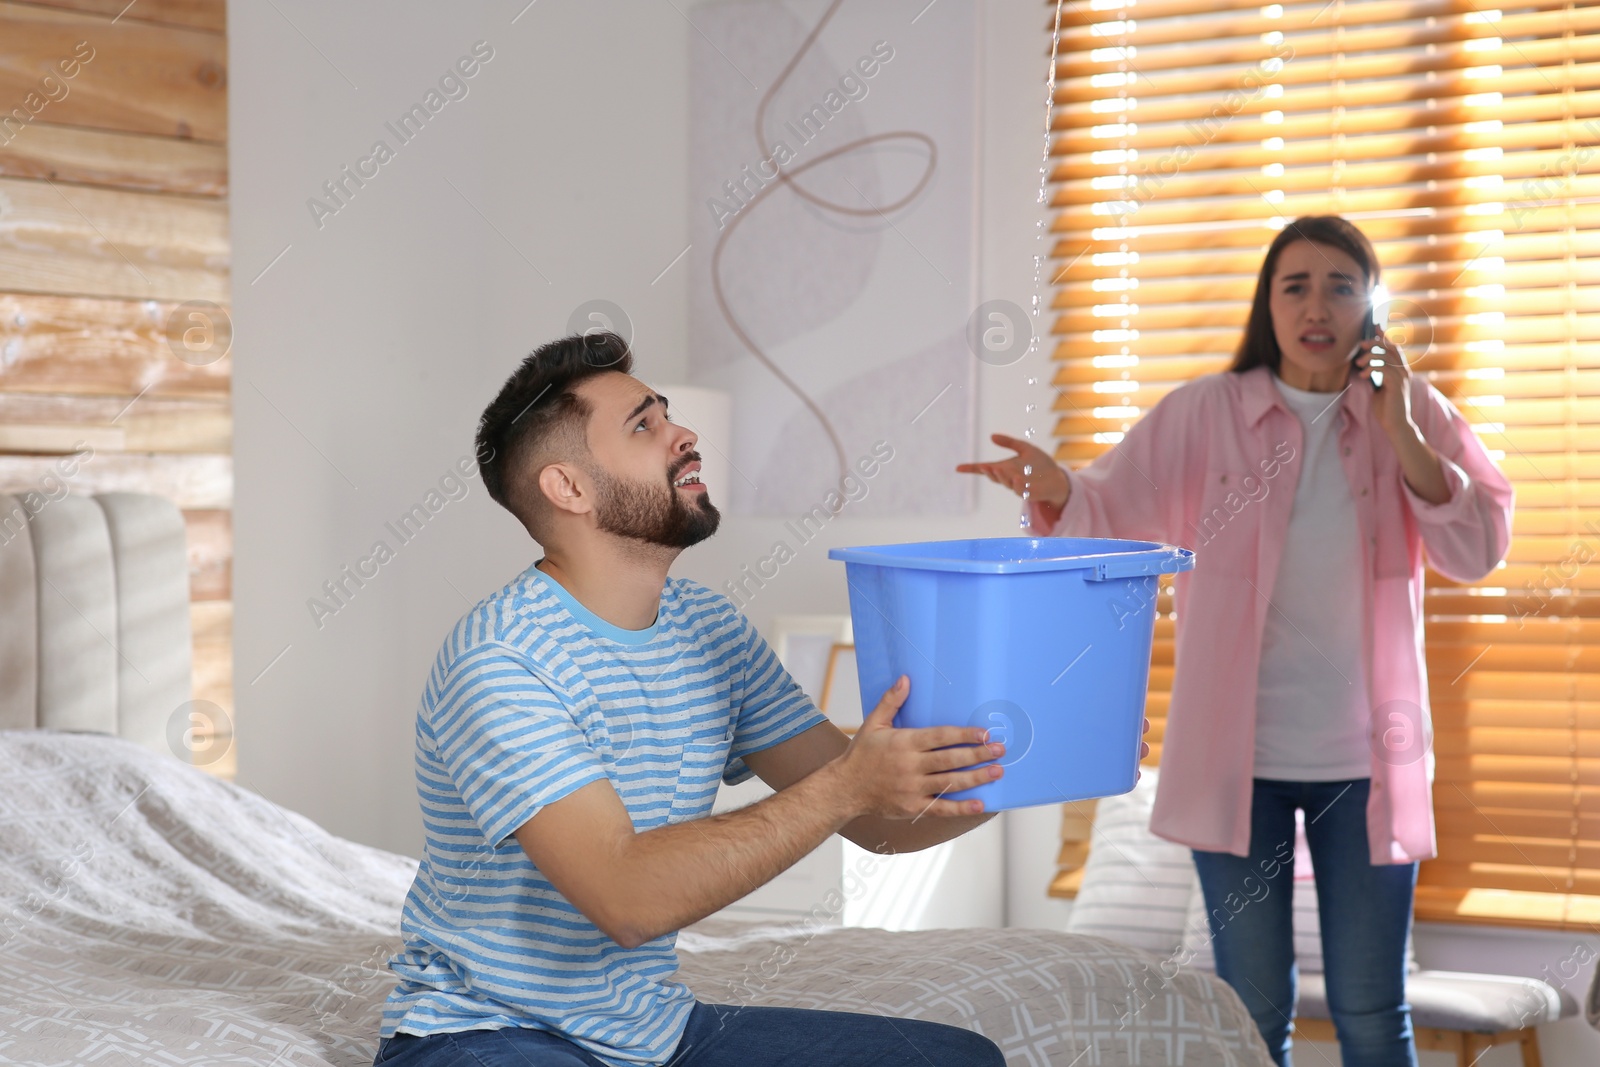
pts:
pixel 114 276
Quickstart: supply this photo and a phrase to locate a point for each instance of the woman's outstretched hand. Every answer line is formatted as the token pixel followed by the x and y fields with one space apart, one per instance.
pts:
pixel 1046 482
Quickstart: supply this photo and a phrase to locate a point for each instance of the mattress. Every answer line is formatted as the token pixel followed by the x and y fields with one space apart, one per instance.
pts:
pixel 151 914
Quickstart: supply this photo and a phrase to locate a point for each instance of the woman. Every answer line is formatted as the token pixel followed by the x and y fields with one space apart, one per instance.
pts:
pixel 1310 497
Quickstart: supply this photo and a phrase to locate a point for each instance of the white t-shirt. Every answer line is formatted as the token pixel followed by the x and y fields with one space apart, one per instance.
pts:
pixel 1312 708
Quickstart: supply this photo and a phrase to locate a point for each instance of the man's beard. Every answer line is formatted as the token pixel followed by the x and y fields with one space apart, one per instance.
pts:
pixel 642 512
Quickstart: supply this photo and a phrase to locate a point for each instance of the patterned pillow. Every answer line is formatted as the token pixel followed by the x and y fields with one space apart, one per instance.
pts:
pixel 1136 887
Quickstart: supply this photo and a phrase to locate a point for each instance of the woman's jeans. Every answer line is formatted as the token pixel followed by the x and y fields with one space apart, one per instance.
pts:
pixel 1365 912
pixel 720 1035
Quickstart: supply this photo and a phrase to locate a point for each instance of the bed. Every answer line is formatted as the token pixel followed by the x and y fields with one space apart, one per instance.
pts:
pixel 153 914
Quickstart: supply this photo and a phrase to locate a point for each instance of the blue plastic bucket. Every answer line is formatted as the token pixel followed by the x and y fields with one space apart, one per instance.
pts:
pixel 1045 641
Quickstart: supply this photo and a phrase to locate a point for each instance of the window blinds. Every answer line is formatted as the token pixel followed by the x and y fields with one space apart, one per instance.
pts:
pixel 1465 141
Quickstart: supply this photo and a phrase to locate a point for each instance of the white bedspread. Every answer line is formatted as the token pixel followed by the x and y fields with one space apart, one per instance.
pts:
pixel 150 914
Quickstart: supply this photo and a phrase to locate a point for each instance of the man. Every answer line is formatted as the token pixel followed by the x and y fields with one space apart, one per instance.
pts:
pixel 570 741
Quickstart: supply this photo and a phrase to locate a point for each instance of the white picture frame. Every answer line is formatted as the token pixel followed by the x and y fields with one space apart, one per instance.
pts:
pixel 809 646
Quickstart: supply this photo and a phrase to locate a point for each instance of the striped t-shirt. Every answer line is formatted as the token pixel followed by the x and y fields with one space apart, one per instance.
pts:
pixel 532 697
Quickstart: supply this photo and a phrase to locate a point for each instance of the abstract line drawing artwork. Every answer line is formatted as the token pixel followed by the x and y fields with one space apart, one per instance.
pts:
pixel 833 207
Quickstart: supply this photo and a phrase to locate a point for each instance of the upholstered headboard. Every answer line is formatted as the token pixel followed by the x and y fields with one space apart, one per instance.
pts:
pixel 94 616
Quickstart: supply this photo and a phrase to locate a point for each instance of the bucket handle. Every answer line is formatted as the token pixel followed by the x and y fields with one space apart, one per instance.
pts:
pixel 1181 559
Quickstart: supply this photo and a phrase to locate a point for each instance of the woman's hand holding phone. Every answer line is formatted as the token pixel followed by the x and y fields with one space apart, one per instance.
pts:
pixel 1391 409
pixel 1032 468
pixel 1369 332
pixel 1391 400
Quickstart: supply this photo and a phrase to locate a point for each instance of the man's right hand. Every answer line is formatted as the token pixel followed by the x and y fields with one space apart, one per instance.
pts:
pixel 897 773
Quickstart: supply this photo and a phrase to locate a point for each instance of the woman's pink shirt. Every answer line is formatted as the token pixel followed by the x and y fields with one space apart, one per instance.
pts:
pixel 1213 467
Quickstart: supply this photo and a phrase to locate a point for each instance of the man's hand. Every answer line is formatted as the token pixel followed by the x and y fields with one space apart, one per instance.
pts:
pixel 897 773
pixel 637 885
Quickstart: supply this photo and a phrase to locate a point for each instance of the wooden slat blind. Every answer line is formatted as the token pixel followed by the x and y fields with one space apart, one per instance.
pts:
pixel 1464 139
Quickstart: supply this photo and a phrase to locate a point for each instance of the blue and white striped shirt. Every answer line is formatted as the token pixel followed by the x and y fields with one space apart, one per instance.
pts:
pixel 532 697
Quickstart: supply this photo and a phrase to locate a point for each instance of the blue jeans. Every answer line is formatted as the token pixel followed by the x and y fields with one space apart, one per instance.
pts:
pixel 719 1035
pixel 1365 911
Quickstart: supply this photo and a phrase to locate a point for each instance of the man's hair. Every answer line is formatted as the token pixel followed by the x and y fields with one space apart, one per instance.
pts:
pixel 1259 345
pixel 538 419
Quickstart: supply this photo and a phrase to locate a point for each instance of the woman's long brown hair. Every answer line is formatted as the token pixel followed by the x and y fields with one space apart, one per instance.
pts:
pixel 1259 346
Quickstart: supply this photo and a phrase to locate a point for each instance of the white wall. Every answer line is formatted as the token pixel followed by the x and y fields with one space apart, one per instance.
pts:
pixel 366 353
pixel 1013 63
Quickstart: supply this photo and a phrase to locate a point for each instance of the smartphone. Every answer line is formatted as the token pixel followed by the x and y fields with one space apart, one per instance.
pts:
pixel 1377 306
